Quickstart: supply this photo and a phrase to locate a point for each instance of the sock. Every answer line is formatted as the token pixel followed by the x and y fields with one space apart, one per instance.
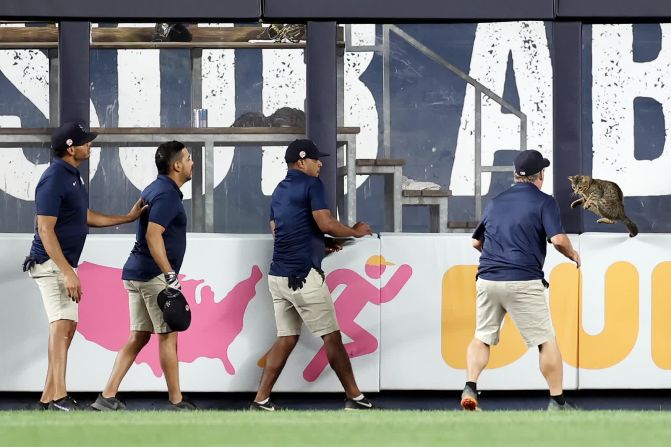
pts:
pixel 359 397
pixel 473 386
pixel 264 401
pixel 559 399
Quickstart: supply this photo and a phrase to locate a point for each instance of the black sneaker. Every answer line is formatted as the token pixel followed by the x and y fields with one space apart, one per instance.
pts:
pixel 469 399
pixel 361 404
pixel 268 406
pixel 554 406
pixel 108 403
pixel 66 403
pixel 39 406
pixel 184 405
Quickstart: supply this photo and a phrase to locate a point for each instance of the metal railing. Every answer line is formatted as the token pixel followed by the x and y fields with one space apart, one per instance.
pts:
pixel 202 142
pixel 480 89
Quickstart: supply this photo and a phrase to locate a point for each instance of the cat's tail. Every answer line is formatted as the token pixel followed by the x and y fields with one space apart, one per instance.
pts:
pixel 631 226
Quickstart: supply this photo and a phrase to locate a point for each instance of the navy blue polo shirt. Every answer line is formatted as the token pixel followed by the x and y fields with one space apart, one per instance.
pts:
pixel 299 243
pixel 166 209
pixel 515 227
pixel 61 193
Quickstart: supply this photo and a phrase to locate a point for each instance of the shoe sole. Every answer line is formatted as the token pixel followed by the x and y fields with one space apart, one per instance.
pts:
pixel 183 409
pixel 469 404
pixel 57 408
pixel 97 406
pixel 262 409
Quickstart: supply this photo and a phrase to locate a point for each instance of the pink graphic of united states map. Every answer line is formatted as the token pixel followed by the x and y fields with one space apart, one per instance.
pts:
pixel 104 317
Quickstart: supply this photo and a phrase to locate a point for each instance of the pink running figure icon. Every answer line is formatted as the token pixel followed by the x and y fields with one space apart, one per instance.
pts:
pixel 358 292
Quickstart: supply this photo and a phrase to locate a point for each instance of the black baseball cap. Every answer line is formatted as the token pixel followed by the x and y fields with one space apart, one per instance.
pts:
pixel 70 134
pixel 176 311
pixel 302 149
pixel 530 162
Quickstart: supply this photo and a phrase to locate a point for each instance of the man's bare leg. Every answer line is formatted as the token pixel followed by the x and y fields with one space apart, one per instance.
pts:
pixel 275 361
pixel 124 359
pixel 552 367
pixel 48 392
pixel 340 363
pixel 61 333
pixel 477 357
pixel 167 350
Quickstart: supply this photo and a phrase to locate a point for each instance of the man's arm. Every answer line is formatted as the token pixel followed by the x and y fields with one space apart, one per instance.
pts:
pixel 272 228
pixel 563 245
pixel 478 236
pixel 478 244
pixel 329 225
pixel 156 246
pixel 96 219
pixel 45 228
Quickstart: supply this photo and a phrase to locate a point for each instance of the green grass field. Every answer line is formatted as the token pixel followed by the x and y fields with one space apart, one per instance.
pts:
pixel 331 428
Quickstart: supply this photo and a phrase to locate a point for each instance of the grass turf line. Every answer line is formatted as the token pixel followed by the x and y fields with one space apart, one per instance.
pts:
pixel 337 428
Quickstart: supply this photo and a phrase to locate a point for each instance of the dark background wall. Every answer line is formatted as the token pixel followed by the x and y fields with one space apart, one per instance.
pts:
pixel 130 9
pixel 416 128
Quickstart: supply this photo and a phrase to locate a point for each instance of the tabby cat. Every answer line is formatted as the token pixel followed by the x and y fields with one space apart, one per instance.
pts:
pixel 603 198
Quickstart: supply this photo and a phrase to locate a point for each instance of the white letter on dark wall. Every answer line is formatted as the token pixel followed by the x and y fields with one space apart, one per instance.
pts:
pixel 616 81
pixel 528 44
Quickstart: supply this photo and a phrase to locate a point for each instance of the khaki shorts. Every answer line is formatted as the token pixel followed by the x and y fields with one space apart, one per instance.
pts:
pixel 145 315
pixel 525 301
pixel 311 305
pixel 57 303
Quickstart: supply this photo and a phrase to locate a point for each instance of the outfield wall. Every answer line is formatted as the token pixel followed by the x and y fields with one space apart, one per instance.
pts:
pixel 405 329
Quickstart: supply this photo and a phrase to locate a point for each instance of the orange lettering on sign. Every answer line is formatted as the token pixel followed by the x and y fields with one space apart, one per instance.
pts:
pixel 458 322
pixel 609 347
pixel 564 306
pixel 620 330
pixel 661 313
